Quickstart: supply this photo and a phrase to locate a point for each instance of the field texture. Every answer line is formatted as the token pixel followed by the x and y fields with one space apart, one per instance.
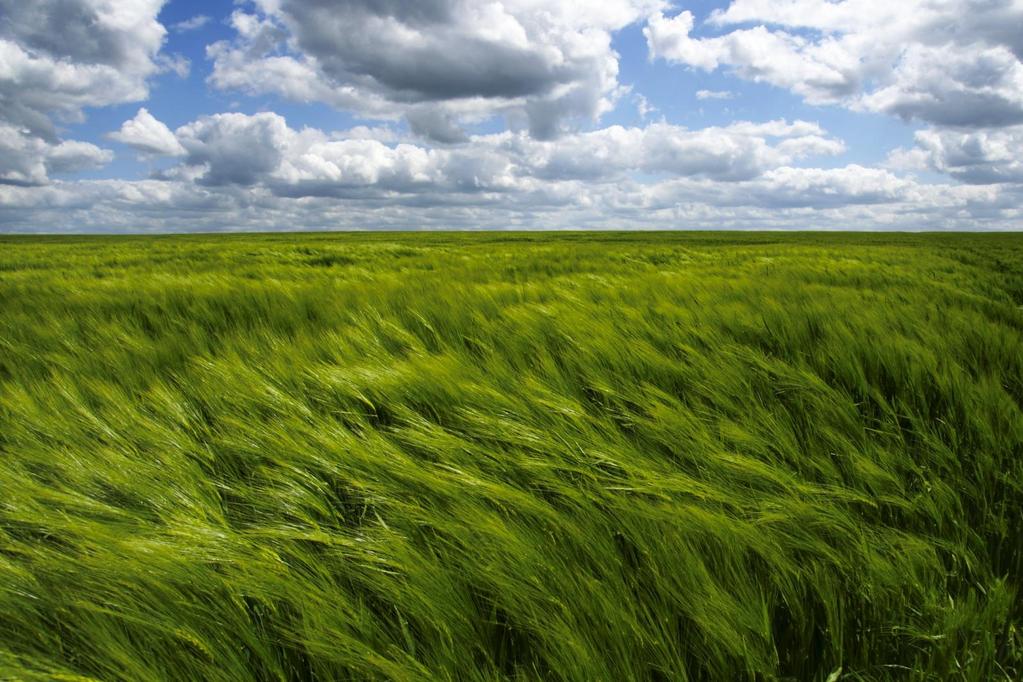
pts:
pixel 457 457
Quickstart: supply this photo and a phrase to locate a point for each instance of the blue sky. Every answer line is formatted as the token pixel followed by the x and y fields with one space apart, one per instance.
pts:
pixel 144 115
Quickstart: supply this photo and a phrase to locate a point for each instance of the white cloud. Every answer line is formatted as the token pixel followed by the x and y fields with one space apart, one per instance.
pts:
pixel 193 24
pixel 643 106
pixel 714 94
pixel 29 160
pixel 256 172
pixel 948 62
pixel 58 57
pixel 148 136
pixel 177 64
pixel 739 151
pixel 547 67
pixel 243 150
pixel 975 157
pixel 954 64
pixel 440 62
pixel 981 87
pixel 235 149
pixel 839 199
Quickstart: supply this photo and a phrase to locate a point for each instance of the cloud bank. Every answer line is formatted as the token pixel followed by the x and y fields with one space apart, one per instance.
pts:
pixel 238 170
pixel 427 75
pixel 945 62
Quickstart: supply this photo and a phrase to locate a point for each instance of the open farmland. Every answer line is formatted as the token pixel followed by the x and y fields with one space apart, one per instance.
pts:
pixel 509 456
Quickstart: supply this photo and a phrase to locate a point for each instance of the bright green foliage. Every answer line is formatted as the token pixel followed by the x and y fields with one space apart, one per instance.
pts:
pixel 484 457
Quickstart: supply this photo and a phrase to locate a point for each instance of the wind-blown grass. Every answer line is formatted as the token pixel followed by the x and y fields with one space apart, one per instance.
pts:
pixel 484 457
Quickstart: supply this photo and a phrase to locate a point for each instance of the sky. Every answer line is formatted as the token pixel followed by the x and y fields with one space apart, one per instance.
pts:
pixel 216 115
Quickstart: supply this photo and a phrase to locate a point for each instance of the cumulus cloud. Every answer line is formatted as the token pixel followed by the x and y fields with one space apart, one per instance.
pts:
pixel 60 56
pixel 975 157
pixel 438 61
pixel 947 62
pixel 234 148
pixel 550 70
pixel 243 150
pixel 256 172
pixel 148 136
pixel 846 198
pixel 29 160
pixel 739 151
pixel 953 64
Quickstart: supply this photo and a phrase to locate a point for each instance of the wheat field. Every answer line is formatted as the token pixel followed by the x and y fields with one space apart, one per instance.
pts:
pixel 580 456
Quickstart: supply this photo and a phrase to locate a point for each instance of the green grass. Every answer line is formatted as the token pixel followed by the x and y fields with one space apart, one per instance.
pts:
pixel 486 457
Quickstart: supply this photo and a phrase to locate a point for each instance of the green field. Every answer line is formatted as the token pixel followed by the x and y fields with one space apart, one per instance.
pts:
pixel 594 457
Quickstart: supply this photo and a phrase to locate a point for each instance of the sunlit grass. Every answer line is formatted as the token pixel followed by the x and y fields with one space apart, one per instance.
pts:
pixel 482 457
